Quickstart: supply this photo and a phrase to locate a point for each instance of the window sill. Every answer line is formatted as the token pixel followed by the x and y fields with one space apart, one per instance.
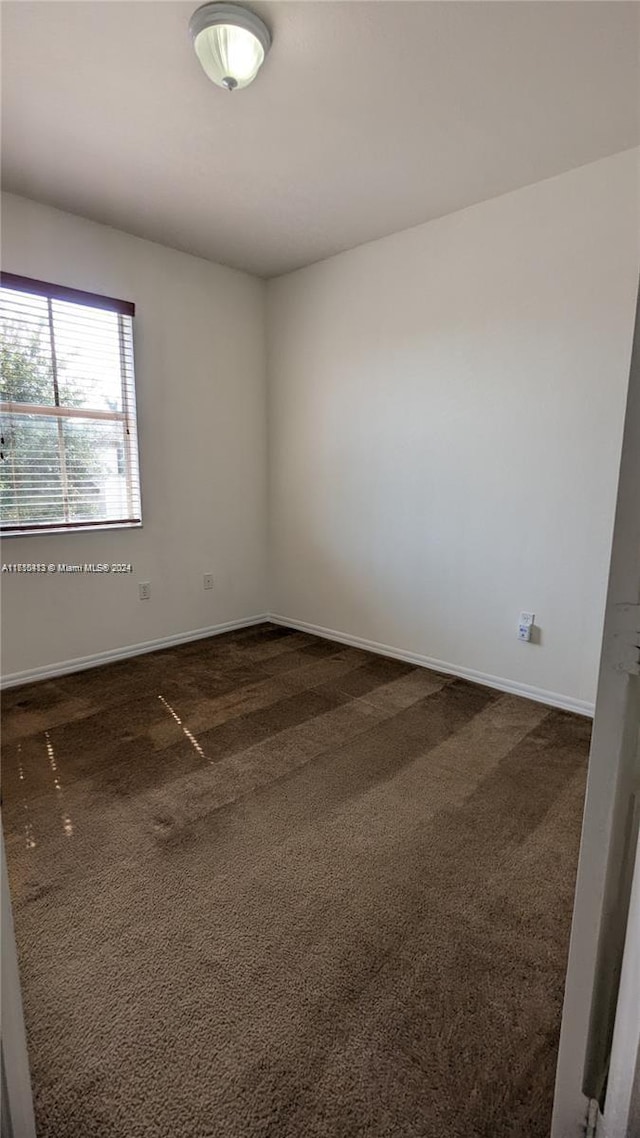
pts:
pixel 99 527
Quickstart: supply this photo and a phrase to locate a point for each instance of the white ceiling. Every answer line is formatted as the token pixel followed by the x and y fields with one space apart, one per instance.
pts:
pixel 367 117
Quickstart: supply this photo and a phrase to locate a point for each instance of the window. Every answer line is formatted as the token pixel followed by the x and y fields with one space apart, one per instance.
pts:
pixel 68 437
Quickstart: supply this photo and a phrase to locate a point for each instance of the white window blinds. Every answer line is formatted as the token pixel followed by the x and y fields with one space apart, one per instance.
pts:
pixel 68 443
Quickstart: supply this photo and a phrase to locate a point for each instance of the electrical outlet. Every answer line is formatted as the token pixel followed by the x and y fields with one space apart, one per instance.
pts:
pixel 207 580
pixel 525 626
pixel 144 590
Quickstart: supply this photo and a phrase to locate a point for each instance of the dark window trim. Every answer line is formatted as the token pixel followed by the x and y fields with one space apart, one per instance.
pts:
pixel 9 530
pixel 62 292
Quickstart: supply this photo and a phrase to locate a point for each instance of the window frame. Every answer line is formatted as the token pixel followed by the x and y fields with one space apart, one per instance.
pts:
pixel 128 414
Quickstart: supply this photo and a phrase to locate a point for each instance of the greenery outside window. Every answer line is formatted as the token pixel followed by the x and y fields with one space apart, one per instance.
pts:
pixel 68 434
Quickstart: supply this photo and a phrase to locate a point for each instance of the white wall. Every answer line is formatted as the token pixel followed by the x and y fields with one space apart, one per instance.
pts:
pixel 446 410
pixel 444 423
pixel 199 355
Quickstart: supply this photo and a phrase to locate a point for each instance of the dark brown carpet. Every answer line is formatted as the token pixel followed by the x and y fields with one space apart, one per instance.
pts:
pixel 267 886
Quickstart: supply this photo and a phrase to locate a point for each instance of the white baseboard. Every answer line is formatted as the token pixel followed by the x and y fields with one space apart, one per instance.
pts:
pixel 65 667
pixel 553 699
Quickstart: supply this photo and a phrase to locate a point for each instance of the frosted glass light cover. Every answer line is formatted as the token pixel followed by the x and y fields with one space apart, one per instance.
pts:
pixel 228 53
pixel 231 43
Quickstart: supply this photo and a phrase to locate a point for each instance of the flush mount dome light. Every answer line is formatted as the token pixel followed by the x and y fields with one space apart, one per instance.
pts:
pixel 230 42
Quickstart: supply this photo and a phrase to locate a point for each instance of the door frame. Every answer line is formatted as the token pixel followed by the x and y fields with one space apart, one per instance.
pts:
pixel 605 867
pixel 17 1099
pixel 621 1116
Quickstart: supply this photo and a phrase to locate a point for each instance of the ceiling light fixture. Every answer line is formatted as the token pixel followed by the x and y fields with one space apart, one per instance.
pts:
pixel 230 42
